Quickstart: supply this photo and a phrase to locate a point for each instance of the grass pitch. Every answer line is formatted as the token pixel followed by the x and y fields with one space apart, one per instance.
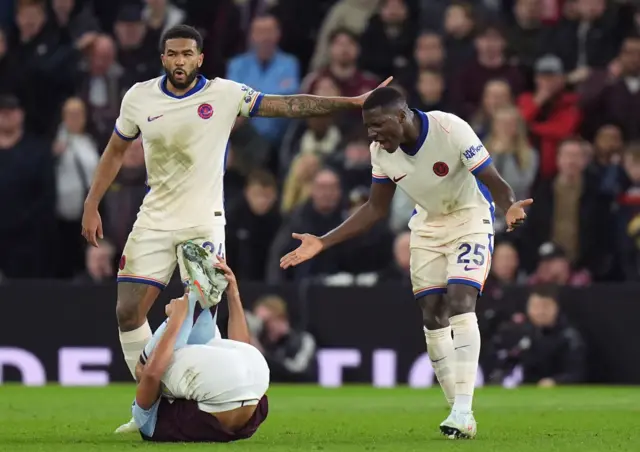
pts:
pixel 304 418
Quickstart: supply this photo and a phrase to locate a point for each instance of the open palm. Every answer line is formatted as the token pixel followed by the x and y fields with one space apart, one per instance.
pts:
pixel 310 247
pixel 362 98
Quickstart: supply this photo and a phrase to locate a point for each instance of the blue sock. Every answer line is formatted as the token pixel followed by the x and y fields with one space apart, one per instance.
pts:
pixel 204 330
pixel 183 335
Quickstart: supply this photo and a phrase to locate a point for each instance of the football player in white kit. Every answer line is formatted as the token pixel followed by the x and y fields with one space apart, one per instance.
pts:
pixel 185 121
pixel 438 160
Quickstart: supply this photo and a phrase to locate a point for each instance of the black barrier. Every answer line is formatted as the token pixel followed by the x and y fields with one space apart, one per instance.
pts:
pixel 52 331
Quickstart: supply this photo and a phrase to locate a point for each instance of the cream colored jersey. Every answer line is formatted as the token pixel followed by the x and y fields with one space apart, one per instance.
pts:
pixel 439 175
pixel 185 140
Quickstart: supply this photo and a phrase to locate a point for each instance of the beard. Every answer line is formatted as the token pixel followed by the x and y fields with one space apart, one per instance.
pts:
pixel 188 80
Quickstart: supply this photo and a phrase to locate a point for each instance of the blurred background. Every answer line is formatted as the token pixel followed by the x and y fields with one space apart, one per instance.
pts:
pixel 551 86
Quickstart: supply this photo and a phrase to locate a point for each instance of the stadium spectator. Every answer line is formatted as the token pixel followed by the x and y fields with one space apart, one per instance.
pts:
pixel 429 92
pixel 459 29
pixel 349 15
pixel 353 164
pixel 554 268
pixel 99 264
pixel 622 183
pixel 159 16
pixel 513 156
pixel 524 34
pixel 543 347
pixel 551 111
pixel 42 55
pixel 252 223
pixel 266 68
pixel 251 150
pixel 320 135
pixel 607 149
pixel 8 68
pixel 76 22
pixel 76 160
pixel 490 63
pixel 342 67
pixel 387 42
pixel 558 214
pixel 27 191
pixel 102 85
pixel 299 180
pixel 398 270
pixel 591 40
pixel 428 55
pixel 320 214
pixel 496 94
pixel 613 95
pixel 505 269
pixel 137 56
pixel 124 197
pixel 290 352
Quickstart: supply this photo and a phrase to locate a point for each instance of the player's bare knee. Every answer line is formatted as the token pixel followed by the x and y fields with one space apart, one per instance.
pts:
pixel 433 307
pixel 461 299
pixel 127 315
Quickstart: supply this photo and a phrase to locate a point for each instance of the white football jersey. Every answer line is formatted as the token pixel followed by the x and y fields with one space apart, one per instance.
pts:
pixel 439 175
pixel 185 140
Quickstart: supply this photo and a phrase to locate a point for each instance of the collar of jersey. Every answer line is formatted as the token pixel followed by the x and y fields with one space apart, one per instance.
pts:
pixel 197 87
pixel 424 130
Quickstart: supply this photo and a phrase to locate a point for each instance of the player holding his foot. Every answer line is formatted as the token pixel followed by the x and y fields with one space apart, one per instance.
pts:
pixel 194 387
pixel 185 121
pixel 438 160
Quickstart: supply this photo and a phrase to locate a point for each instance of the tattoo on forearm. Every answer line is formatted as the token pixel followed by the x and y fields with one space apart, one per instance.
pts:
pixel 302 106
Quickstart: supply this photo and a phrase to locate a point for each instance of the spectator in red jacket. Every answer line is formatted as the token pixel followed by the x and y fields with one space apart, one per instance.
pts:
pixel 551 112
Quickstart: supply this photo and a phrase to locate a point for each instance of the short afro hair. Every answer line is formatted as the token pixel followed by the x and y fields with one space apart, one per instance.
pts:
pixel 384 97
pixel 181 32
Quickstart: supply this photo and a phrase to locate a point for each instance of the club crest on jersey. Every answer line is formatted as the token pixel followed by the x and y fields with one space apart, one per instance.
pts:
pixel 472 151
pixel 123 262
pixel 440 169
pixel 205 111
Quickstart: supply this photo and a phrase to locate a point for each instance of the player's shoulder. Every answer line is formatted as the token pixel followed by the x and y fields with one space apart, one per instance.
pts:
pixel 142 88
pixel 445 119
pixel 220 84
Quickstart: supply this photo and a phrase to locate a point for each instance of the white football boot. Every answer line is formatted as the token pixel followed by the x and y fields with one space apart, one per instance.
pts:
pixel 204 279
pixel 459 425
pixel 129 427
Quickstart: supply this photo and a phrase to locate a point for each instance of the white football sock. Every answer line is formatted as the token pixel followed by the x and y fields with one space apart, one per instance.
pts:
pixel 132 343
pixel 442 356
pixel 466 342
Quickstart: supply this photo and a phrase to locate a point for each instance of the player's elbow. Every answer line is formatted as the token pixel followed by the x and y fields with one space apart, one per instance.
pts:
pixel 377 212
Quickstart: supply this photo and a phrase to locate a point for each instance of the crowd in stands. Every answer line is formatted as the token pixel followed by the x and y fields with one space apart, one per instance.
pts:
pixel 552 87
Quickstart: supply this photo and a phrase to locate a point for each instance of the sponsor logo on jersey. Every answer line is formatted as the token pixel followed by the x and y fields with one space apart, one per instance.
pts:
pixel 398 179
pixel 153 118
pixel 472 151
pixel 205 111
pixel 440 169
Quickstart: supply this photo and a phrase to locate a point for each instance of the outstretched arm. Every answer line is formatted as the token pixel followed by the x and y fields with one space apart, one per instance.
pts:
pixel 148 389
pixel 503 196
pixel 306 105
pixel 237 328
pixel 375 209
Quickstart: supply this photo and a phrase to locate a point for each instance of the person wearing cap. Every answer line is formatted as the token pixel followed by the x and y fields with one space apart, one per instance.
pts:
pixel 136 54
pixel 551 112
pixel 490 64
pixel 554 268
pixel 27 191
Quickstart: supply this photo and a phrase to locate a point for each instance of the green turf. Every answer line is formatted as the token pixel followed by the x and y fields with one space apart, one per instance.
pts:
pixel 55 419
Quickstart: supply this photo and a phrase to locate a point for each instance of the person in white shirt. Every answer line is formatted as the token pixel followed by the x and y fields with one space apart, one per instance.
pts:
pixel 439 162
pixel 185 121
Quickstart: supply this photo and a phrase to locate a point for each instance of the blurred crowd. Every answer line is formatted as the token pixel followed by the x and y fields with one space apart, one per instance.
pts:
pixel 551 86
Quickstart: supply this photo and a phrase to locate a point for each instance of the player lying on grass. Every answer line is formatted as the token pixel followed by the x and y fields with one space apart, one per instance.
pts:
pixel 194 387
pixel 438 160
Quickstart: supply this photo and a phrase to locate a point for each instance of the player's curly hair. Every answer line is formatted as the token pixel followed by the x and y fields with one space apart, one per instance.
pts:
pixel 181 32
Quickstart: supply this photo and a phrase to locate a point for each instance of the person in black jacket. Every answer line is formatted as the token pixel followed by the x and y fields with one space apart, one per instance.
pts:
pixel 290 352
pixel 252 223
pixel 542 345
